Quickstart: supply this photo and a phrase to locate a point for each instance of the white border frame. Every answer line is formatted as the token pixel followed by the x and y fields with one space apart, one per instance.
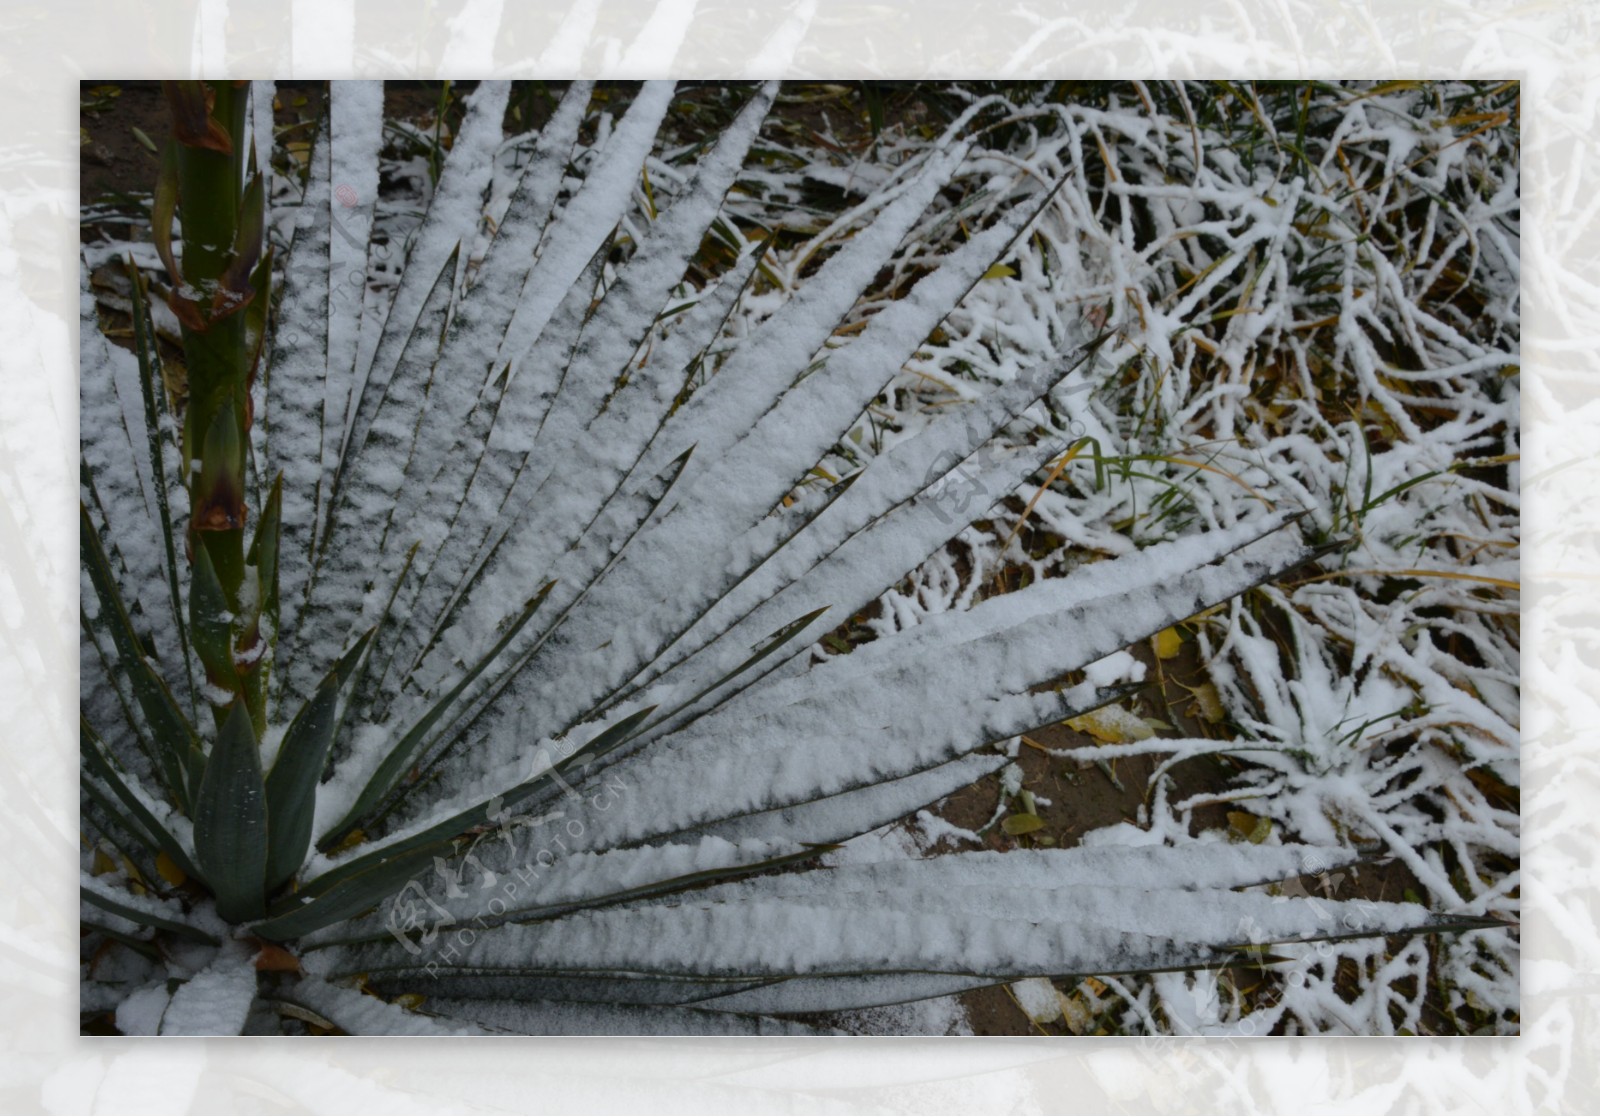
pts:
pixel 46 47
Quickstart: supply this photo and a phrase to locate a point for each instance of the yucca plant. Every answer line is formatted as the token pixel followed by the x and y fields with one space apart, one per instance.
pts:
pixel 447 662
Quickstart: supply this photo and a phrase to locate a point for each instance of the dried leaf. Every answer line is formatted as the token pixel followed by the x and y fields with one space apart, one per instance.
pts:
pixel 1249 827
pixel 1166 643
pixel 1209 702
pixel 169 870
pixel 1018 824
pixel 275 959
pixel 1112 725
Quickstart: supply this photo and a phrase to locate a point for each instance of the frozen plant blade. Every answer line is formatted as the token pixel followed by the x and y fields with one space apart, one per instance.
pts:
pixel 373 472
pixel 586 223
pixel 291 784
pixel 143 813
pixel 453 216
pixel 165 733
pixel 300 383
pixel 767 365
pixel 911 929
pixel 142 910
pixel 217 1000
pixel 557 1018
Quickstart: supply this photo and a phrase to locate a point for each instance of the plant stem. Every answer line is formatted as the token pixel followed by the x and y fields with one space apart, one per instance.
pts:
pixel 222 222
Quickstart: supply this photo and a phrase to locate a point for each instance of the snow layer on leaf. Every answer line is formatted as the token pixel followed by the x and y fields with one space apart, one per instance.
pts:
pixel 768 363
pixel 355 127
pixel 360 1014
pixel 586 222
pixel 301 395
pixel 555 1018
pixel 116 450
pixel 453 217
pixel 910 929
pixel 215 1001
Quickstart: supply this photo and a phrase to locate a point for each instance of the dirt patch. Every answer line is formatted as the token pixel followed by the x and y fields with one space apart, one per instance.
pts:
pixel 1085 795
pixel 112 161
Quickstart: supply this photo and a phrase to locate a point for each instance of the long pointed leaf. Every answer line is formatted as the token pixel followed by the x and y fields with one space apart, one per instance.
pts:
pixel 399 758
pixel 173 741
pixel 292 783
pixel 230 821
pixel 94 894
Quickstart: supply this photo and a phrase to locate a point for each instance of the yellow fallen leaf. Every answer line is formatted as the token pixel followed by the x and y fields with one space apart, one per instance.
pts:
pixel 275 959
pixel 136 881
pixel 1166 643
pixel 1252 829
pixel 168 868
pixel 1074 1014
pixel 1019 824
pixel 1210 702
pixel 351 840
pixel 1112 725
pixel 999 271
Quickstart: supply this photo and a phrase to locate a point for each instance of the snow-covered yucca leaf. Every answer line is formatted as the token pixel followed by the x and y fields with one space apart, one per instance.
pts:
pixel 539 570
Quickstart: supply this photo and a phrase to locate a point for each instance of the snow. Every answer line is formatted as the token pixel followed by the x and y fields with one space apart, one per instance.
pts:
pixel 1118 667
pixel 1038 998
pixel 140 1014
pixel 216 1000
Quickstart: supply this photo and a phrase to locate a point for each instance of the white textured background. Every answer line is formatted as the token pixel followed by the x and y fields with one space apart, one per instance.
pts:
pixel 46 47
